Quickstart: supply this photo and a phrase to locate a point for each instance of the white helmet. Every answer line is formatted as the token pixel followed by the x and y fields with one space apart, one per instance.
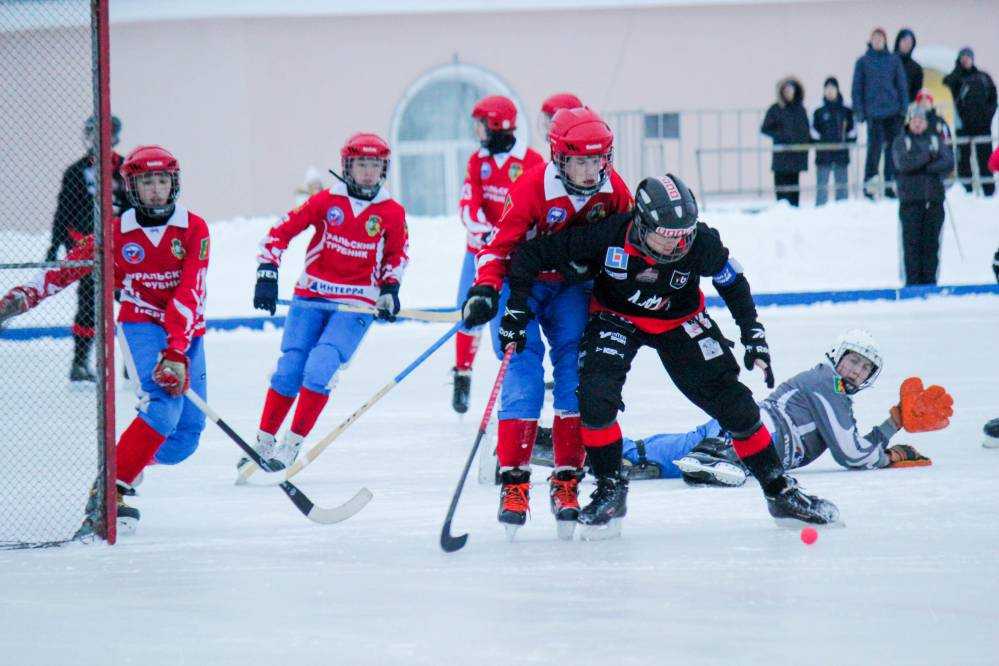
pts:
pixel 862 342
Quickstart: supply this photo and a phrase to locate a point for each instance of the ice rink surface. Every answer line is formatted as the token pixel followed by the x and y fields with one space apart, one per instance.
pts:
pixel 225 575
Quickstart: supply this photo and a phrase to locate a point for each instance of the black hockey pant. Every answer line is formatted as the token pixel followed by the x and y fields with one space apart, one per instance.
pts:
pixel 921 225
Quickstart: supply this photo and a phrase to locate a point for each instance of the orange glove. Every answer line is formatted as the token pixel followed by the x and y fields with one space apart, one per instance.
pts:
pixel 903 455
pixel 922 410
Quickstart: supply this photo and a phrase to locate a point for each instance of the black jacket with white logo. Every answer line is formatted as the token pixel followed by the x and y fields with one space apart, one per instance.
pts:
pixel 627 282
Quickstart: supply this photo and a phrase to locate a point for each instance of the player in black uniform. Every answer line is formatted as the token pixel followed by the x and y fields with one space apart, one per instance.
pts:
pixel 74 220
pixel 646 266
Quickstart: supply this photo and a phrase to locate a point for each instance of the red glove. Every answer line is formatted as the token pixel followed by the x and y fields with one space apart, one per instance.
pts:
pixel 903 455
pixel 171 373
pixel 922 410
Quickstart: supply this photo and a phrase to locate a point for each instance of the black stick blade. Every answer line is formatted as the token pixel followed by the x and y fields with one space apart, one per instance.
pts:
pixel 452 543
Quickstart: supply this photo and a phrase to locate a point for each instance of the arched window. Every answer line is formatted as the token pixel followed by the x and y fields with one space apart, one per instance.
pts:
pixel 432 135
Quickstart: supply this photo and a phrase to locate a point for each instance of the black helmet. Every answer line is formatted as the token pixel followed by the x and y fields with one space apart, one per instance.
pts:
pixel 664 206
pixel 90 131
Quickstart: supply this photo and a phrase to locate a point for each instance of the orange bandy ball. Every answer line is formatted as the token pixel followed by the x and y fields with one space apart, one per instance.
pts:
pixel 809 535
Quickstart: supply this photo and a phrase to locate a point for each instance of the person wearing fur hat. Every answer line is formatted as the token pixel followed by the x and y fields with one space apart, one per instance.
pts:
pixel 832 123
pixel 786 122
pixel 923 158
pixel 974 95
pixel 880 96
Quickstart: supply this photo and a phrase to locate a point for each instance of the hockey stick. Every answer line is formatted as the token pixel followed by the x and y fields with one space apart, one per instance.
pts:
pixel 452 543
pixel 321 445
pixel 953 227
pixel 418 315
pixel 299 499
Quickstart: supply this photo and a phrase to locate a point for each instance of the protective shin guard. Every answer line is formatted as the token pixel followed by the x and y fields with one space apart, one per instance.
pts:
pixel 276 408
pixel 310 406
pixel 465 346
pixel 759 455
pixel 136 449
pixel 515 441
pixel 567 442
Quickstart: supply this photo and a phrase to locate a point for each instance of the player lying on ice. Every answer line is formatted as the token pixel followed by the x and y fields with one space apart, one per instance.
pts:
pixel 807 414
pixel 160 252
pixel 647 265
pixel 575 190
pixel 357 255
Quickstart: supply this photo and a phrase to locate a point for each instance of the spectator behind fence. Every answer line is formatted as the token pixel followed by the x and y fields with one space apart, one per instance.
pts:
pixel 905 44
pixel 924 98
pixel 880 96
pixel 994 167
pixel 923 158
pixel 786 122
pixel 832 123
pixel 974 95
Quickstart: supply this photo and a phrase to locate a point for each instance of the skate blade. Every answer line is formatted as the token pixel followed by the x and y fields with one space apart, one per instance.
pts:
pixel 725 473
pixel 795 524
pixel 511 531
pixel 127 526
pixel 990 443
pixel 611 530
pixel 566 529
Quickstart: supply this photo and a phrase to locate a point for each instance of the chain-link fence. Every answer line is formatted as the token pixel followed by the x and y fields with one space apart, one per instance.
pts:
pixel 52 392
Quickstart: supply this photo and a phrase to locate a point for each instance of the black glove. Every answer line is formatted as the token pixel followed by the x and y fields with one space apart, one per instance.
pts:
pixel 388 301
pixel 754 339
pixel 481 305
pixel 513 326
pixel 265 293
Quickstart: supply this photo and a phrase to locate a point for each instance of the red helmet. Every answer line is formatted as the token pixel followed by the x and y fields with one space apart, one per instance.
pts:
pixel 148 160
pixel 497 112
pixel 580 133
pixel 363 145
pixel 560 101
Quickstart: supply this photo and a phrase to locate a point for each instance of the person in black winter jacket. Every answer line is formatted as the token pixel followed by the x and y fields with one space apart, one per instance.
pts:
pixel 74 219
pixel 880 96
pixel 922 158
pixel 786 122
pixel 974 95
pixel 905 44
pixel 832 123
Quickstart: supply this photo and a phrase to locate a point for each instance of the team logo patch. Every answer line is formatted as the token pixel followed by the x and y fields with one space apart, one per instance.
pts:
pixel 556 215
pixel 710 348
pixel 514 171
pixel 671 189
pixel 598 212
pixel 203 254
pixel 373 226
pixel 617 258
pixel 678 280
pixel 692 328
pixel 177 248
pixel 133 253
pixel 839 385
pixel 334 216
pixel 648 275
pixel 485 171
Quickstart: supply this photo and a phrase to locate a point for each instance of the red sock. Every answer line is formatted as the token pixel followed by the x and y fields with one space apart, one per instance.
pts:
pixel 567 444
pixel 276 407
pixel 310 405
pixel 515 441
pixel 466 345
pixel 136 448
pixel 755 443
pixel 598 437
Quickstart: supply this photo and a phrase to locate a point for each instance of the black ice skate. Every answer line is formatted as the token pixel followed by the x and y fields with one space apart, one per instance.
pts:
pixel 128 516
pixel 515 498
pixel 609 504
pixel 643 468
pixel 462 389
pixel 712 462
pixel 792 508
pixel 79 372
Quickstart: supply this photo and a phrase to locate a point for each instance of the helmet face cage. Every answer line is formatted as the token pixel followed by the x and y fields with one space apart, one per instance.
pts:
pixel 158 211
pixel 561 159
pixel 860 342
pixel 663 210
pixel 355 189
pixel 685 240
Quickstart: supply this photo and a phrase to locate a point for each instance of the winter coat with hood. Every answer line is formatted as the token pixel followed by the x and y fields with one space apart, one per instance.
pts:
pixel 880 89
pixel 787 122
pixel 974 95
pixel 922 162
pixel 913 70
pixel 833 123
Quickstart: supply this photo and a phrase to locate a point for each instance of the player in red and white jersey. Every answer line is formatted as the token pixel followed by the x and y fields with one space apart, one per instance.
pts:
pixel 492 170
pixel 551 105
pixel 160 252
pixel 579 186
pixel 357 254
